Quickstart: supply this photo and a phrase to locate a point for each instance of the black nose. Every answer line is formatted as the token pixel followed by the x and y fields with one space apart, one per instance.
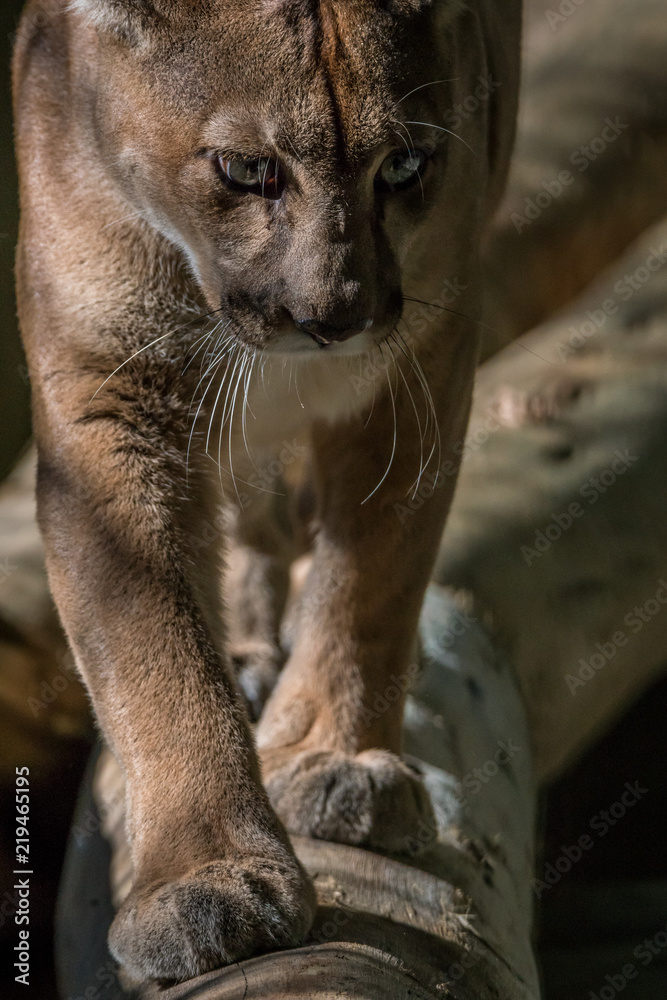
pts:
pixel 326 333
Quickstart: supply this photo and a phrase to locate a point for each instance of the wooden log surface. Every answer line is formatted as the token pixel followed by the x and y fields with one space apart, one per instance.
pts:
pixel 41 698
pixel 549 417
pixel 580 190
pixel 452 916
pixel 573 414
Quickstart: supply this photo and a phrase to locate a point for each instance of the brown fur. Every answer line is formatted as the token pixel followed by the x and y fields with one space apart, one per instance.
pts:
pixel 128 236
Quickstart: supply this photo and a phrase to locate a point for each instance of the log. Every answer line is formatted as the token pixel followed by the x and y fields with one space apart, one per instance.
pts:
pixel 449 918
pixel 580 192
pixel 580 404
pixel 42 702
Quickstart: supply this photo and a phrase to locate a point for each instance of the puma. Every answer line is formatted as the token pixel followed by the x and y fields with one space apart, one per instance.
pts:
pixel 232 216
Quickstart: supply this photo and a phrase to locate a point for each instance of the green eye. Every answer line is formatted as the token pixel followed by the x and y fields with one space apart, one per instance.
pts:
pixel 400 170
pixel 259 175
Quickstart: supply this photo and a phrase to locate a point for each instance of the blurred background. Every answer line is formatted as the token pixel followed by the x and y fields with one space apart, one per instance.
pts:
pixel 14 389
pixel 593 915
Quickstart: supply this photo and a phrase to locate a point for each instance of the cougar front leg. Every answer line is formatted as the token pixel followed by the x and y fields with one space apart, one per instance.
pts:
pixel 330 736
pixel 215 879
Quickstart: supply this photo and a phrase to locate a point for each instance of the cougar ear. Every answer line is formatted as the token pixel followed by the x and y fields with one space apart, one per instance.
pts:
pixel 127 19
pixel 501 23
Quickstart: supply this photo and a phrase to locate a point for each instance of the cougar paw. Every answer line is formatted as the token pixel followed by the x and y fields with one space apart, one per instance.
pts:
pixel 372 800
pixel 217 914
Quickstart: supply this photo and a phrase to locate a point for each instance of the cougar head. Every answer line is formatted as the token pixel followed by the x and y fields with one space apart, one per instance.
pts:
pixel 300 153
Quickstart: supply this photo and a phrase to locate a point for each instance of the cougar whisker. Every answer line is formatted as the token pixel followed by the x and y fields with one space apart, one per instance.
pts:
pixel 393 446
pixel 430 404
pixel 169 333
pixel 485 326
pixel 422 86
pixel 448 131
pixel 214 367
pixel 414 407
pixel 231 426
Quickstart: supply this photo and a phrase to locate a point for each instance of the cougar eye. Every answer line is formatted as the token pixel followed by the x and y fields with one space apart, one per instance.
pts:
pixel 400 170
pixel 259 175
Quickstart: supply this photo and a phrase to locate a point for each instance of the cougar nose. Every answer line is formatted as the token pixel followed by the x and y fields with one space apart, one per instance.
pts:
pixel 325 333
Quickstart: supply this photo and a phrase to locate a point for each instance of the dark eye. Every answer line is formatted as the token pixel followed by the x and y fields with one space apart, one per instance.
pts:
pixel 257 175
pixel 400 170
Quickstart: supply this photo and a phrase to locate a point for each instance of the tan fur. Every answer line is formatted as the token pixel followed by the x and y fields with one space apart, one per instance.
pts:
pixel 128 242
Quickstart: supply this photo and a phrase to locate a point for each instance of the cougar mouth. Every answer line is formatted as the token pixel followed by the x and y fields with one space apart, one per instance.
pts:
pixel 295 344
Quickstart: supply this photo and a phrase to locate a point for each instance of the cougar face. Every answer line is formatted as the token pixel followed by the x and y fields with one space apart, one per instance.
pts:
pixel 295 177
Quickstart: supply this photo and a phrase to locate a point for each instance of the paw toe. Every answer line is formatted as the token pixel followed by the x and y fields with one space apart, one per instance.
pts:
pixel 371 800
pixel 221 913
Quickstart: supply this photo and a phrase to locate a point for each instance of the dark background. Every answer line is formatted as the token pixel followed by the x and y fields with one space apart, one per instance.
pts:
pixel 14 388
